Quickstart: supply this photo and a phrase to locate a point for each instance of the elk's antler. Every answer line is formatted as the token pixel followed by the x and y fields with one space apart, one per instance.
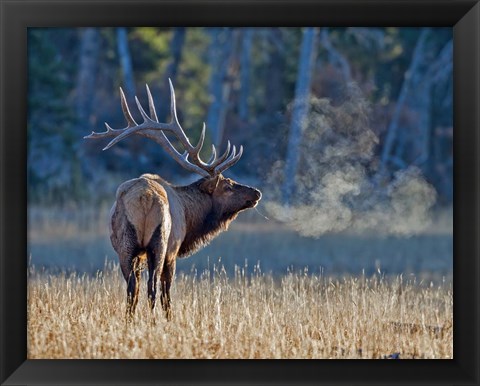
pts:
pixel 151 128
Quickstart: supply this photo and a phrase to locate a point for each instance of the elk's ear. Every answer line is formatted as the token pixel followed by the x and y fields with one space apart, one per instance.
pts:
pixel 210 185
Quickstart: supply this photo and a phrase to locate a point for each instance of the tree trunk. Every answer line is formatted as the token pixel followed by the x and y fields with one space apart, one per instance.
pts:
pixel 410 74
pixel 335 56
pixel 422 140
pixel 89 50
pixel 223 49
pixel 275 76
pixel 300 109
pixel 245 64
pixel 436 72
pixel 176 48
pixel 125 61
pixel 80 166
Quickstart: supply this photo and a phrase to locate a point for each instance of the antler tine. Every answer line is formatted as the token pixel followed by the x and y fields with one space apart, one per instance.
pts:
pixel 112 132
pixel 108 133
pixel 173 104
pixel 232 160
pixel 200 141
pixel 126 111
pixel 151 106
pixel 148 123
pixel 175 126
pixel 145 117
pixel 213 157
pixel 223 157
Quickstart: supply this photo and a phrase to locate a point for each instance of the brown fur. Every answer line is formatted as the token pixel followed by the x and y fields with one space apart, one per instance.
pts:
pixel 152 218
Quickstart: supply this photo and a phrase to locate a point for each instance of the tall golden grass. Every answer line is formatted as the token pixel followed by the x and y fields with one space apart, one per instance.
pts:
pixel 299 315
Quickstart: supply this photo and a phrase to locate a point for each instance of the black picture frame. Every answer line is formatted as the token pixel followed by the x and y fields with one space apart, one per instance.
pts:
pixel 16 16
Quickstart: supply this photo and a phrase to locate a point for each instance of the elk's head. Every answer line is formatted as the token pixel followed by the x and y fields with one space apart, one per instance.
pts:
pixel 228 197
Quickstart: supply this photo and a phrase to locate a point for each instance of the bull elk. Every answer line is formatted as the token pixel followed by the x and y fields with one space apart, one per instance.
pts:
pixel 152 222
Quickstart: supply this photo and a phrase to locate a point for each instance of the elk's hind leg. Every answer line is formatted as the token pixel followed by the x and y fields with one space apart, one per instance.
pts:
pixel 156 250
pixel 131 263
pixel 168 274
pixel 133 285
pixel 132 266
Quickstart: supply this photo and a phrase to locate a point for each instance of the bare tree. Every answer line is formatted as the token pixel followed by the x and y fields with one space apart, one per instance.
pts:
pixel 223 51
pixel 176 49
pixel 410 74
pixel 336 57
pixel 300 108
pixel 276 72
pixel 86 89
pixel 245 69
pixel 125 60
pixel 89 50
pixel 436 72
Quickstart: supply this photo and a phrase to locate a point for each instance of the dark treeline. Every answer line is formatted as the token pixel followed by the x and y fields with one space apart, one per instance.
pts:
pixel 253 86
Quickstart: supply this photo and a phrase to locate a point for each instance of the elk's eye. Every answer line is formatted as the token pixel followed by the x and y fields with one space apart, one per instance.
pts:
pixel 228 188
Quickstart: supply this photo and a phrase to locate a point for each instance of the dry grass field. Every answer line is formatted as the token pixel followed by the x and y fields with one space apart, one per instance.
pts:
pixel 295 316
pixel 362 297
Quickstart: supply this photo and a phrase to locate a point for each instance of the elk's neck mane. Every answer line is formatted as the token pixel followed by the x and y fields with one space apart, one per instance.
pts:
pixel 203 221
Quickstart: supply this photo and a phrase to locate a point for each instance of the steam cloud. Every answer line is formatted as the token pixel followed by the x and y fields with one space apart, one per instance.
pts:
pixel 337 184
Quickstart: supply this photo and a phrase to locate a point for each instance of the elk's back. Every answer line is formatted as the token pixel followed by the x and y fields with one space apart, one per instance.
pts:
pixel 141 206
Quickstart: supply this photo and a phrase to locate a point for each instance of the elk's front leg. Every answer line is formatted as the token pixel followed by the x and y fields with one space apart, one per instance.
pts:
pixel 168 274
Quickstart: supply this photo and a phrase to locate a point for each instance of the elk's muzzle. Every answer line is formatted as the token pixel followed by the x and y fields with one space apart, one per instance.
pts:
pixel 256 196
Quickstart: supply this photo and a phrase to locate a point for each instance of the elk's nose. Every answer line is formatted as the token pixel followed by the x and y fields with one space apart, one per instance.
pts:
pixel 258 194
